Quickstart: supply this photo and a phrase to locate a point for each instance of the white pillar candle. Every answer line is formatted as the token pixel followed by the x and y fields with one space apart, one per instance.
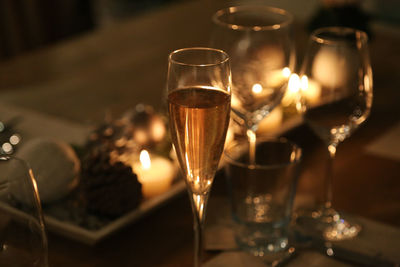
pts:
pixel 310 89
pixel 330 67
pixel 155 174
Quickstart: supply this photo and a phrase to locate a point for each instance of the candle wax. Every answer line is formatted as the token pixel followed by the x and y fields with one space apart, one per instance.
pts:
pixel 157 179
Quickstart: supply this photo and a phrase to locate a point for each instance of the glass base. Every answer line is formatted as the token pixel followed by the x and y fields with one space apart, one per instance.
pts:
pixel 326 223
pixel 272 251
pixel 273 259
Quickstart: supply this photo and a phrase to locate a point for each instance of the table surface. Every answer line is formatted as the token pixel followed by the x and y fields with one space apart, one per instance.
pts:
pixel 115 68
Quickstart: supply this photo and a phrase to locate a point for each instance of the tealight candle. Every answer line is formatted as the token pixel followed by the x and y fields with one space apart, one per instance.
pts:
pixel 310 89
pixel 155 174
pixel 330 69
pixel 292 92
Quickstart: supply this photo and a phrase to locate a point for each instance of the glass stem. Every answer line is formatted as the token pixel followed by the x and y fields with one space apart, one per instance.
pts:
pixel 329 176
pixel 251 135
pixel 199 205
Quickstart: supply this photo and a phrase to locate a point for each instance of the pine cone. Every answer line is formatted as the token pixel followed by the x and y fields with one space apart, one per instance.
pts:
pixel 109 189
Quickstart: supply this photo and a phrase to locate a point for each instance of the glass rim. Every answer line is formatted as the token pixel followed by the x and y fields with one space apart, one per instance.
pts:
pixel 340 32
pixel 6 157
pixel 281 140
pixel 234 9
pixel 224 58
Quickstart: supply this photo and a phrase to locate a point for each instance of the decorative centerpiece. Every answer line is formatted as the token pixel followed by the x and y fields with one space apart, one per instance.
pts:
pixel 114 178
pixel 123 170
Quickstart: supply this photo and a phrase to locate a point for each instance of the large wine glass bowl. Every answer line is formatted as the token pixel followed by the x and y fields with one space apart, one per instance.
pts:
pixel 23 241
pixel 337 60
pixel 259 42
pixel 199 100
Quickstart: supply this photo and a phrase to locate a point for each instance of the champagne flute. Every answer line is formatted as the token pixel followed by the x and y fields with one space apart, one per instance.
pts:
pixel 23 240
pixel 337 62
pixel 199 101
pixel 259 42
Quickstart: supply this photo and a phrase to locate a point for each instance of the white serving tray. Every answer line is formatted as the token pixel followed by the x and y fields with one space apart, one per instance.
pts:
pixel 91 237
pixel 79 233
pixel 34 124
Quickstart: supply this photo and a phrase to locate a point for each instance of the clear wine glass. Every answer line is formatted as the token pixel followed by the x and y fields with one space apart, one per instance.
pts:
pixel 259 42
pixel 23 240
pixel 199 101
pixel 336 64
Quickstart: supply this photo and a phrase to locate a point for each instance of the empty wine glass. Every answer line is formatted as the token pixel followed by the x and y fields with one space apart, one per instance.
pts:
pixel 23 240
pixel 199 101
pixel 258 39
pixel 337 64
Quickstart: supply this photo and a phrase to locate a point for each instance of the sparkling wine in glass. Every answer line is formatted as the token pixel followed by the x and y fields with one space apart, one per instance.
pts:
pixel 199 102
pixel 337 62
pixel 259 42
pixel 23 241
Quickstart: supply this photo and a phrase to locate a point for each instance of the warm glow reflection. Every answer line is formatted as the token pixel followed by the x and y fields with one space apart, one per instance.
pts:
pixel 187 137
pixel 7 148
pixel 158 130
pixel 294 83
pixel 367 83
pixel 304 82
pixel 293 156
pixel 15 139
pixel 291 95
pixel 197 182
pixel 141 136
pixel 286 72
pixel 329 252
pixel 199 203
pixel 257 88
pixel 145 159
pixel 310 90
pixel 332 149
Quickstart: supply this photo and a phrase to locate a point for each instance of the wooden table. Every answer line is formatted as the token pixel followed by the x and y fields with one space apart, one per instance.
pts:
pixel 115 68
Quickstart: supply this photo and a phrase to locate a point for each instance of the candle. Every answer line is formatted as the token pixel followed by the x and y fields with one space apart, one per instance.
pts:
pixel 310 89
pixel 273 79
pixel 330 68
pixel 291 94
pixel 155 174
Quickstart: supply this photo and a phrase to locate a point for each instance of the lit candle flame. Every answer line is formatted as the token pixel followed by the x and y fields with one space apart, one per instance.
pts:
pixel 304 83
pixel 286 72
pixel 309 89
pixel 257 88
pixel 294 83
pixel 145 159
